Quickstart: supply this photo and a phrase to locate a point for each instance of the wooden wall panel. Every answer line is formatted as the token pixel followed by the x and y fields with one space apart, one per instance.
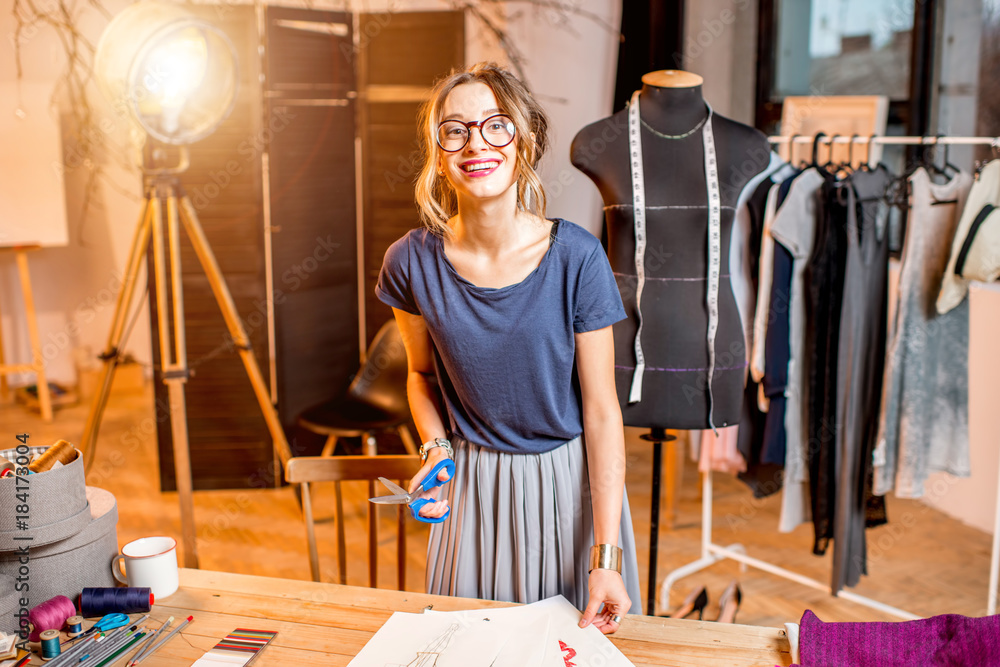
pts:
pixel 433 44
pixel 311 84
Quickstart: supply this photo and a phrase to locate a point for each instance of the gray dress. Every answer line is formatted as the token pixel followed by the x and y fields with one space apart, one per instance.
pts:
pixel 861 357
pixel 925 405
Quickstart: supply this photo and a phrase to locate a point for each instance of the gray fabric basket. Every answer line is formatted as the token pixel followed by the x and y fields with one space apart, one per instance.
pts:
pixel 57 504
pixel 82 561
pixel 8 605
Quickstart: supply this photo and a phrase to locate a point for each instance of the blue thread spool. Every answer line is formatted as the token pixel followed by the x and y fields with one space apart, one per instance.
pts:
pixel 74 626
pixel 103 601
pixel 50 644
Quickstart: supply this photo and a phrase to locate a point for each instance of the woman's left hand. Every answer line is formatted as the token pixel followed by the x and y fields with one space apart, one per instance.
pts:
pixel 606 587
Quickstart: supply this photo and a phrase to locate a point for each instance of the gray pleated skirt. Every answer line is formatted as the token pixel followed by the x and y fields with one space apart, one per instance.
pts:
pixel 521 528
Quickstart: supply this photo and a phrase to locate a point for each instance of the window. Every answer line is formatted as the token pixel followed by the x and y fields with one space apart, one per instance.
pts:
pixel 845 47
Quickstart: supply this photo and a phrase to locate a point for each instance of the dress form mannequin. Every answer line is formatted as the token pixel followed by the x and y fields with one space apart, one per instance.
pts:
pixel 675 316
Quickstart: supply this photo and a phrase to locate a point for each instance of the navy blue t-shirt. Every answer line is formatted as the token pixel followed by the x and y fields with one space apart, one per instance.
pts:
pixel 505 357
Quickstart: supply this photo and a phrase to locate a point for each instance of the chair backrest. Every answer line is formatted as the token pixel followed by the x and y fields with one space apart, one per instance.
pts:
pixel 399 468
pixel 381 380
pixel 350 468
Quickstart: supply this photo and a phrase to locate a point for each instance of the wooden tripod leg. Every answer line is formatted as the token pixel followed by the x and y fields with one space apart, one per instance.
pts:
pixel 235 326
pixel 37 360
pixel 175 375
pixel 140 243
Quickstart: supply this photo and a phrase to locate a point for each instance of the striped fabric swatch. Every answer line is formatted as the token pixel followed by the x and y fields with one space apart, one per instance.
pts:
pixel 240 647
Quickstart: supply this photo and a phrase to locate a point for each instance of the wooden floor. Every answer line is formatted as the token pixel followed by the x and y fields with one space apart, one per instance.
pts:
pixel 922 561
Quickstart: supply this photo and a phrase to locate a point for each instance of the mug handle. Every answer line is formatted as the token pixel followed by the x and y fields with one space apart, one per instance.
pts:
pixel 116 569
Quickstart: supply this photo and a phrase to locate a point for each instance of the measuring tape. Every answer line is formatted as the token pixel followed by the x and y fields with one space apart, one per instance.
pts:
pixel 639 215
pixel 714 245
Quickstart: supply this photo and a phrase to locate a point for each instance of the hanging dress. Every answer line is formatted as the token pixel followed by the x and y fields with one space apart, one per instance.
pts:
pixel 861 361
pixel 925 404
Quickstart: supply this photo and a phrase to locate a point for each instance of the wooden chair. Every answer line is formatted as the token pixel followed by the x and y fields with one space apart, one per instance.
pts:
pixel 304 470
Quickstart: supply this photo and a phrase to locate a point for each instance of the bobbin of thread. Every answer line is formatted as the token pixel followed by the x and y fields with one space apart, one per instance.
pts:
pixel 50 644
pixel 64 452
pixel 50 615
pixel 74 626
pixel 103 601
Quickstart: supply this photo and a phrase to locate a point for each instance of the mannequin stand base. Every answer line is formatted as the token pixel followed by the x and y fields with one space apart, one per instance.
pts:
pixel 657 436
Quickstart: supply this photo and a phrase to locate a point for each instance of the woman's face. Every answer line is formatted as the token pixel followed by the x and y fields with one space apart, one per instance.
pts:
pixel 479 170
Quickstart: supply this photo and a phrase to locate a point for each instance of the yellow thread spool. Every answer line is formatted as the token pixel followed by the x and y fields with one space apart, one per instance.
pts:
pixel 64 452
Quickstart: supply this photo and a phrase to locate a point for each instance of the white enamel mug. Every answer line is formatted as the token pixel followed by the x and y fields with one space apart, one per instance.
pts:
pixel 150 562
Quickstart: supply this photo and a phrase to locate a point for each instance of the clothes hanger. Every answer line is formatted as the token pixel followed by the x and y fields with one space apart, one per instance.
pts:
pixel 829 165
pixel 815 152
pixel 848 166
pixel 928 159
pixel 948 165
pixel 791 147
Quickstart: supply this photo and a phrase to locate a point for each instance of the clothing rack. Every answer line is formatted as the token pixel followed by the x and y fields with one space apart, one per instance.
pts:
pixel 712 553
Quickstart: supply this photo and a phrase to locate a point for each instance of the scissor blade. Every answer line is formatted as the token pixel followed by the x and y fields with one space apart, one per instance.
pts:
pixel 391 500
pixel 392 486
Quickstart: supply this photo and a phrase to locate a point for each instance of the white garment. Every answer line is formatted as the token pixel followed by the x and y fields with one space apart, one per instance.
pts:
pixel 794 227
pixel 765 275
pixel 739 248
pixel 985 191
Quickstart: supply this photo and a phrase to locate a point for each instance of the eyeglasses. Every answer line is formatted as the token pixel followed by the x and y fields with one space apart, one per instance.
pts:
pixel 497 131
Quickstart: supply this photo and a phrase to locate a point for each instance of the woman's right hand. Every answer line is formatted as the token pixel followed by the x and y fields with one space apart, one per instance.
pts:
pixel 438 508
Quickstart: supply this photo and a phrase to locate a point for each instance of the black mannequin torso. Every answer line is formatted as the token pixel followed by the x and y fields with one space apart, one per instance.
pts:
pixel 675 317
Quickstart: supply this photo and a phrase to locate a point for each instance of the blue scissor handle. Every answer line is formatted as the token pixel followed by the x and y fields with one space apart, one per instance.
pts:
pixel 111 621
pixel 431 481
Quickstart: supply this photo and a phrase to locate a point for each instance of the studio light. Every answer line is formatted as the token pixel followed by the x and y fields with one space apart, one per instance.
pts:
pixel 174 73
pixel 176 76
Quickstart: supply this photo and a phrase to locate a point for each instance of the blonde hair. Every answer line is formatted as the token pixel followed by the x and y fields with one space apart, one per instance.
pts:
pixel 436 199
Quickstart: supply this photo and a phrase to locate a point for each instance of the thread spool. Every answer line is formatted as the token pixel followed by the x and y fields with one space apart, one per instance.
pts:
pixel 74 626
pixel 50 615
pixel 103 601
pixel 64 452
pixel 50 644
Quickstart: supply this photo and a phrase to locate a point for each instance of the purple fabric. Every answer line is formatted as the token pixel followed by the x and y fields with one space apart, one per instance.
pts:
pixel 949 639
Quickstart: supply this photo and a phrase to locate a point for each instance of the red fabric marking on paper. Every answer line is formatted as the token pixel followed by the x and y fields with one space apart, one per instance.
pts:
pixel 570 654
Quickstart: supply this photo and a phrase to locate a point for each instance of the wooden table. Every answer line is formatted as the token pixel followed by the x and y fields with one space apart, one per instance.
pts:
pixel 321 624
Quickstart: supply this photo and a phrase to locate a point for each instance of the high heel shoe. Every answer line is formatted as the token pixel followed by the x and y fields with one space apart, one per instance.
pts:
pixel 696 601
pixel 729 603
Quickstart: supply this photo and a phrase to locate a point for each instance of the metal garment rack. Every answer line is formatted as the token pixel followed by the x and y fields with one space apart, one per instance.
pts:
pixel 712 553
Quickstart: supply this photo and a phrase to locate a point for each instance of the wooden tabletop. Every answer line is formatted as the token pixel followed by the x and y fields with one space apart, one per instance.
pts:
pixel 326 624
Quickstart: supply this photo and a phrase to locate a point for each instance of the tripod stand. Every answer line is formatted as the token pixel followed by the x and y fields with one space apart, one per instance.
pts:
pixel 163 189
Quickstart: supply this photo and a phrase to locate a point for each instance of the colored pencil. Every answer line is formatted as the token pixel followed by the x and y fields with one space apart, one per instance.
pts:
pixel 165 639
pixel 111 658
pixel 149 644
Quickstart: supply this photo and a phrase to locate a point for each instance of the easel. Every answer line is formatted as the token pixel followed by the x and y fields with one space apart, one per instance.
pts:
pixel 37 365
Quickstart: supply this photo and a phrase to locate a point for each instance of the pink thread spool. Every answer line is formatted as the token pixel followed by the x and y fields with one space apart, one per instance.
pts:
pixel 50 615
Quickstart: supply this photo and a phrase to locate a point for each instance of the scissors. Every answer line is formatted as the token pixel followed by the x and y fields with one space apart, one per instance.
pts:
pixel 414 500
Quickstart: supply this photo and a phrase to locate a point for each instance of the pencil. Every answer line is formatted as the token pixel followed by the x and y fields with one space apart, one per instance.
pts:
pixel 165 639
pixel 111 658
pixel 149 644
pixel 108 646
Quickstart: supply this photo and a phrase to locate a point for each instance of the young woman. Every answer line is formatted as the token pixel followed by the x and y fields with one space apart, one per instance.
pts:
pixel 506 318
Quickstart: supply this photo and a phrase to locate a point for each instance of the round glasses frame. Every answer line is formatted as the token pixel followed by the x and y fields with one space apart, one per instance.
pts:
pixel 480 124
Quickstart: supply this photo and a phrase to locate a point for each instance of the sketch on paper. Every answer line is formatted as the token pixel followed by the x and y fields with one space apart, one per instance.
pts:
pixel 429 656
pixel 542 634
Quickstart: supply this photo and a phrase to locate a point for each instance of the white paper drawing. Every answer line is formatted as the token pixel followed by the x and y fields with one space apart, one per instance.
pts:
pixel 543 634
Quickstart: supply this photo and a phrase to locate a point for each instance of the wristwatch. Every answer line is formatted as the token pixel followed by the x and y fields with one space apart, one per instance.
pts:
pixel 436 442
